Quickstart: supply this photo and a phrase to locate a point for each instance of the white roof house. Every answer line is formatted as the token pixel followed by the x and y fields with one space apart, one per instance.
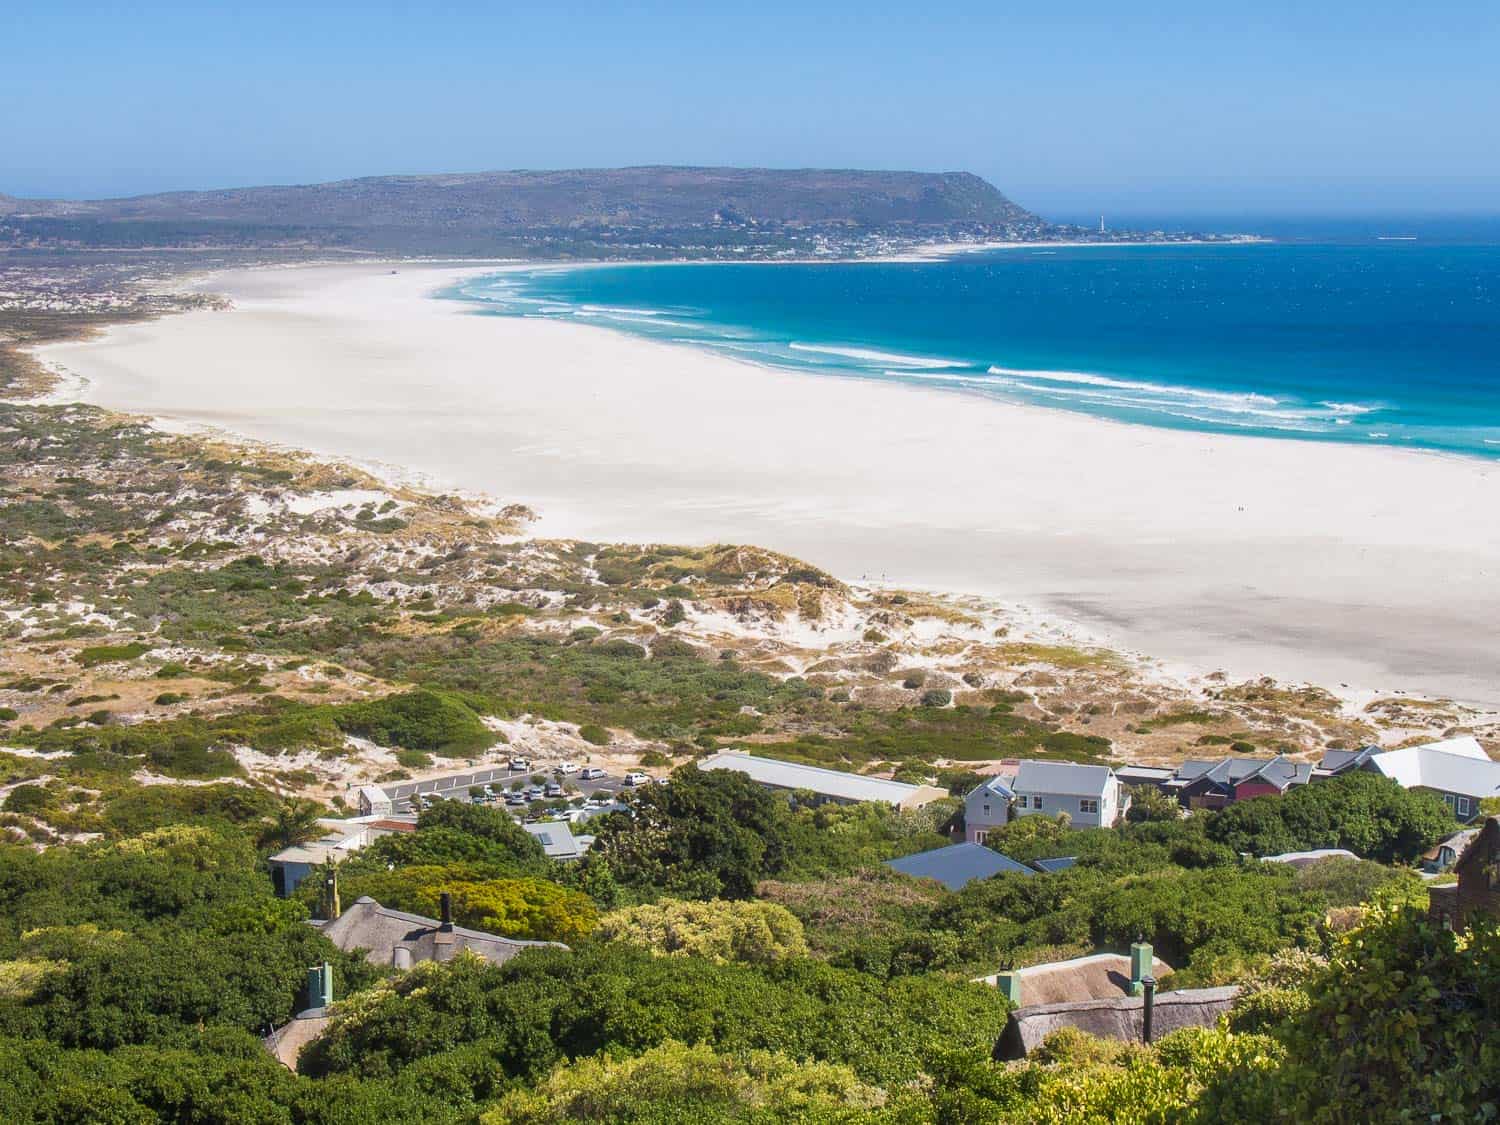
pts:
pixel 1457 769
pixel 831 785
pixel 374 801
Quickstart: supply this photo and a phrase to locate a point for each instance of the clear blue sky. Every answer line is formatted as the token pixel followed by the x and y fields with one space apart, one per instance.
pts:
pixel 1318 106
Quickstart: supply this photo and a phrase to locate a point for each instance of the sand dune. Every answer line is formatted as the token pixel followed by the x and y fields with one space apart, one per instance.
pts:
pixel 1375 568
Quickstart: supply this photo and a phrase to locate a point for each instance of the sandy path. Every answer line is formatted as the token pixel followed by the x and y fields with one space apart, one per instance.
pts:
pixel 1376 568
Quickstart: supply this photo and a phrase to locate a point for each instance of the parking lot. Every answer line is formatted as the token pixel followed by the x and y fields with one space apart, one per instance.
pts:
pixel 457 785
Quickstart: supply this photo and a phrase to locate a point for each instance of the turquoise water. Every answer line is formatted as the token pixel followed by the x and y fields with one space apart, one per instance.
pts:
pixel 1367 341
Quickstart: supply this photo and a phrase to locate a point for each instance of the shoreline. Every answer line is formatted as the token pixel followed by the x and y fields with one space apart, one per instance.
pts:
pixel 928 489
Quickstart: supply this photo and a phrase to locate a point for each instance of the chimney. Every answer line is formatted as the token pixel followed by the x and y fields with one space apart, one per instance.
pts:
pixel 447 912
pixel 1008 981
pixel 1142 964
pixel 320 985
pixel 1148 1009
pixel 331 909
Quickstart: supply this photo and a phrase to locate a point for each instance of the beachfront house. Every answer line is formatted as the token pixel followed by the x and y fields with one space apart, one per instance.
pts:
pixel 987 807
pixel 822 784
pixel 1456 769
pixel 1214 784
pixel 1091 796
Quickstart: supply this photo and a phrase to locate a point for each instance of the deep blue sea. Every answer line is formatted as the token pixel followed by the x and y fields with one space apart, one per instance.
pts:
pixel 1328 334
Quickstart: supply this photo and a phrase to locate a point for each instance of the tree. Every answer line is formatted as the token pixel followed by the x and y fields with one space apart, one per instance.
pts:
pixel 1370 815
pixel 295 821
pixel 720 930
pixel 709 834
pixel 1147 802
pixel 661 1083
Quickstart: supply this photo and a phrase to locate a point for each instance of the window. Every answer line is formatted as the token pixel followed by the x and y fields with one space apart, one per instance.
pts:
pixel 1451 801
pixel 1463 806
pixel 1088 805
pixel 979 837
pixel 1022 799
pixel 986 810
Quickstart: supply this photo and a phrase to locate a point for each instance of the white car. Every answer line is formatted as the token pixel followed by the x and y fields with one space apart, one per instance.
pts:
pixel 591 773
pixel 566 768
pixel 520 763
pixel 636 777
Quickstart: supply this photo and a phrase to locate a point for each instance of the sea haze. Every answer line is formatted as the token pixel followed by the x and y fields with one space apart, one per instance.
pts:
pixel 1361 339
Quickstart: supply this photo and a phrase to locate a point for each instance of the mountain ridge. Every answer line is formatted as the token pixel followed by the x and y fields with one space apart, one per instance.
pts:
pixel 665 207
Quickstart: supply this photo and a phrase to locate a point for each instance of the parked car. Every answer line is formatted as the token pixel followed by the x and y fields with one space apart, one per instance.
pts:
pixel 516 798
pixel 565 768
pixel 519 764
pixel 591 773
pixel 533 792
pixel 489 791
pixel 636 777
pixel 553 789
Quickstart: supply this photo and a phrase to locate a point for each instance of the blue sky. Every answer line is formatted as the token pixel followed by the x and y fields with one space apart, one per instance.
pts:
pixel 1070 108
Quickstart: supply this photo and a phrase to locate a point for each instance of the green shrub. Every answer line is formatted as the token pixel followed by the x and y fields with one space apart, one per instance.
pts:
pixel 594 733
pixel 105 654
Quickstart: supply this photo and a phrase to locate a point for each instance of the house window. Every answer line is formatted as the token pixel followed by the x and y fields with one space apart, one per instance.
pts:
pixel 1088 805
pixel 979 837
pixel 1463 806
pixel 986 810
pixel 1022 799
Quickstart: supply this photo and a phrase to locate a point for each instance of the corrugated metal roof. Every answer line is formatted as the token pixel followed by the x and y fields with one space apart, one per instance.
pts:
pixel 1066 778
pixel 956 865
pixel 1457 765
pixel 1061 863
pixel 556 838
pixel 825 782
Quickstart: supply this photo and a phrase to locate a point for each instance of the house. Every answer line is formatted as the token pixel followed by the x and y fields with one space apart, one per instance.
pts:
pixel 1457 770
pixel 291 865
pixel 397 939
pixel 957 865
pixel 1117 1017
pixel 824 784
pixel 1336 762
pixel 374 801
pixel 986 807
pixel 1214 784
pixel 1098 976
pixel 1477 891
pixel 1091 796
pixel 1443 855
pixel 556 838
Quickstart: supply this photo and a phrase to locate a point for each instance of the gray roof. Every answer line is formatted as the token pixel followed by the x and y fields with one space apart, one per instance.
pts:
pixel 1068 779
pixel 999 786
pixel 956 865
pixel 1148 774
pixel 1061 863
pixel 383 932
pixel 1279 771
pixel 556 838
pixel 1114 1018
pixel 825 782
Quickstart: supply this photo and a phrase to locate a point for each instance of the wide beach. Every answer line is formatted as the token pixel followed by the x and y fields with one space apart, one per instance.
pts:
pixel 1370 568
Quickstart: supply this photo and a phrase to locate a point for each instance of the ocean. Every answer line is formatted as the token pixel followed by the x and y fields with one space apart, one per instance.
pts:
pixel 1355 337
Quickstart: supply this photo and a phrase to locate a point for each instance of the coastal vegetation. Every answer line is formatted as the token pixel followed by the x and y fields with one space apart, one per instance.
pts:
pixel 207 646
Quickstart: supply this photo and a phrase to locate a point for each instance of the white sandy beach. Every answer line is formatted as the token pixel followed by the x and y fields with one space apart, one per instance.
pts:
pixel 1368 567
